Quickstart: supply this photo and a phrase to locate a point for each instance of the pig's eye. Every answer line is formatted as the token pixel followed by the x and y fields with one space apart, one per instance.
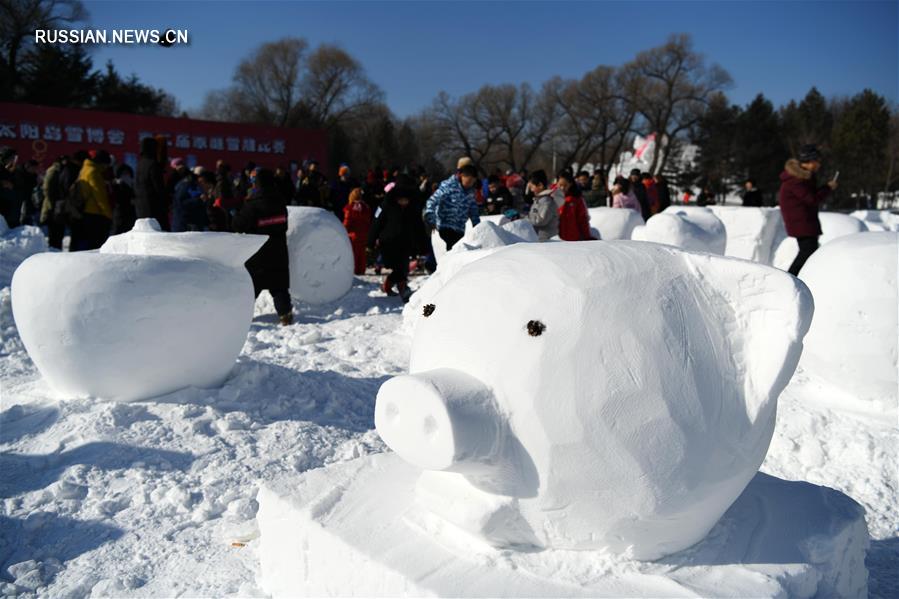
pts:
pixel 535 328
pixel 428 310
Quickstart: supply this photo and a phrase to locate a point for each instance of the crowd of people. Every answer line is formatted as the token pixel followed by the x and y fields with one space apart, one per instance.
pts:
pixel 389 214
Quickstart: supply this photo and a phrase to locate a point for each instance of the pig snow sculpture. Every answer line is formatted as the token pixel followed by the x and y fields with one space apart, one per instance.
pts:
pixel 613 395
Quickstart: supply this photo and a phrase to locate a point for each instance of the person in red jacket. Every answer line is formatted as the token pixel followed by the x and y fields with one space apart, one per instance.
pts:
pixel 799 199
pixel 357 220
pixel 574 221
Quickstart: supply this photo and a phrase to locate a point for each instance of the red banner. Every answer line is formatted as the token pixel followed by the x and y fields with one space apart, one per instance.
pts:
pixel 42 133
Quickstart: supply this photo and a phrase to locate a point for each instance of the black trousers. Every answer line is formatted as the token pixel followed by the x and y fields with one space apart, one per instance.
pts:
pixel 89 232
pixel 283 305
pixel 450 236
pixel 807 247
pixel 398 263
pixel 56 231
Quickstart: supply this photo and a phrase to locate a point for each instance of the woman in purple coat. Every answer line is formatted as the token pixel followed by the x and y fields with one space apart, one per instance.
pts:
pixel 799 199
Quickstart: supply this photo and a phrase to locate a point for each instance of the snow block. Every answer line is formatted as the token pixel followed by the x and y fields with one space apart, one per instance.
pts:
pixel 624 392
pixel 852 342
pixel 833 226
pixel 615 223
pixel 321 257
pixel 878 220
pixel 687 227
pixel 139 318
pixel 751 232
pixel 356 529
pixel 15 246
pixel 474 239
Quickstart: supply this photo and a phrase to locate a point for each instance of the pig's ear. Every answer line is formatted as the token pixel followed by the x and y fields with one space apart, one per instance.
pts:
pixel 766 313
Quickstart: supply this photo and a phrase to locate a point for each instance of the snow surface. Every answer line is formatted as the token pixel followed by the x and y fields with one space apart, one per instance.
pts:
pixel 565 473
pixel 321 257
pixel 148 498
pixel 833 226
pixel 853 280
pixel 352 529
pixel 615 223
pixel 15 246
pixel 439 246
pixel 688 227
pixel 751 232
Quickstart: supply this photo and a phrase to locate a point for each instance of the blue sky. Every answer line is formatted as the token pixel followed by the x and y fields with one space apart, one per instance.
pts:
pixel 412 50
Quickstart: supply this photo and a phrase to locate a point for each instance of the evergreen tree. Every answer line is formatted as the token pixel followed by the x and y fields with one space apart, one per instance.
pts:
pixel 56 75
pixel 715 135
pixel 760 148
pixel 860 142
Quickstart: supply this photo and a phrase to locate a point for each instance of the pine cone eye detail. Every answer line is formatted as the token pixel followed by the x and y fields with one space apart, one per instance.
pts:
pixel 535 328
pixel 428 310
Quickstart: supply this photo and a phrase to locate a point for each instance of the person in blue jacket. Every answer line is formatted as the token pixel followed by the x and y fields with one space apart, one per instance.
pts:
pixel 450 207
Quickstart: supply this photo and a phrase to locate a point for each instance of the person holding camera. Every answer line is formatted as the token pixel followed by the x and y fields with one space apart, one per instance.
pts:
pixel 799 198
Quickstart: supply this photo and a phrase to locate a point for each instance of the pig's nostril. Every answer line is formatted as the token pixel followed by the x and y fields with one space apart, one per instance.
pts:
pixel 430 426
pixel 392 412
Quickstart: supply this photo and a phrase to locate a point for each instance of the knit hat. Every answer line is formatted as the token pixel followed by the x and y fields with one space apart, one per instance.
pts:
pixel 463 161
pixel 176 162
pixel 343 170
pixel 809 153
pixel 199 170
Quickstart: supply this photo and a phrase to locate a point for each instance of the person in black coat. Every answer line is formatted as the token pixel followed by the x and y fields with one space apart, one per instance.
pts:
pixel 398 233
pixel 753 195
pixel 664 191
pixel 640 191
pixel 150 200
pixel 265 213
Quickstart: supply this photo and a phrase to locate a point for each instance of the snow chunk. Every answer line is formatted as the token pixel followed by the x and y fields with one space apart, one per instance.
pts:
pixel 852 342
pixel 15 246
pixel 598 421
pixel 751 232
pixel 439 246
pixel 878 220
pixel 321 257
pixel 615 223
pixel 139 318
pixel 354 529
pixel 687 227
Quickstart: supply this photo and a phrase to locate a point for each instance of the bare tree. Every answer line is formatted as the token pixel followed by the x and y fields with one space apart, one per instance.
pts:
pixel 268 81
pixel 673 85
pixel 597 113
pixel 18 21
pixel 335 87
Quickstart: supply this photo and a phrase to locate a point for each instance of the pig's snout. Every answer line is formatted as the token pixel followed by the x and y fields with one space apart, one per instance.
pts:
pixel 440 420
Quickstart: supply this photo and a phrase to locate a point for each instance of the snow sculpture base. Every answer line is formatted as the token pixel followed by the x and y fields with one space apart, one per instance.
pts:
pixel 615 223
pixel 751 232
pixel 321 257
pixel 355 529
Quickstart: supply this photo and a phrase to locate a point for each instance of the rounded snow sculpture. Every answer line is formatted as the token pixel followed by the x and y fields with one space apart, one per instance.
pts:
pixel 492 232
pixel 615 223
pixel 690 228
pixel 624 401
pixel 124 325
pixel 321 257
pixel 751 232
pixel 878 220
pixel 833 226
pixel 15 246
pixel 852 341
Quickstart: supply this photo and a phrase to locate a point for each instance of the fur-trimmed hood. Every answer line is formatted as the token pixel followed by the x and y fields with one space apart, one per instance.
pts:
pixel 793 169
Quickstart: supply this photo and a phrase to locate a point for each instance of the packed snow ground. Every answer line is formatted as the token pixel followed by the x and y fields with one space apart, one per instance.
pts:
pixel 157 498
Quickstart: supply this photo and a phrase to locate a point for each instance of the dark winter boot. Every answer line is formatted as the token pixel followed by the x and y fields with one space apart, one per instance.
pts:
pixel 286 319
pixel 387 287
pixel 405 292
